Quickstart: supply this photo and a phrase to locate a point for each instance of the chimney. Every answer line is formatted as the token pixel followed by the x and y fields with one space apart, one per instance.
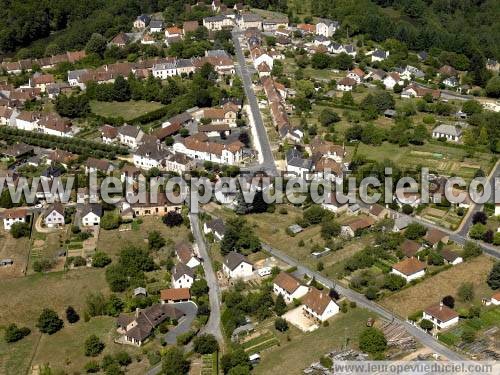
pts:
pixel 440 305
pixel 137 312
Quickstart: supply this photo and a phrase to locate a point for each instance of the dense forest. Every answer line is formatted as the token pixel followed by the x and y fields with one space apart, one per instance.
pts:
pixel 469 27
pixel 466 27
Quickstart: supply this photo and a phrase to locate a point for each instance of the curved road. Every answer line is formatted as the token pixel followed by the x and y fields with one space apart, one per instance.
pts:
pixel 362 301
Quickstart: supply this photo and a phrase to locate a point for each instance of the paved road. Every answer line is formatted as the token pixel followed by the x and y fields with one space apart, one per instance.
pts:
pixel 268 164
pixel 188 308
pixel 213 324
pixel 362 301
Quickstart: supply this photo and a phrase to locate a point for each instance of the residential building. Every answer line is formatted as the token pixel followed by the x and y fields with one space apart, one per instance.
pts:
pixel 495 299
pixel 296 164
pixel 54 215
pixel 156 26
pixel 150 155
pixel 356 74
pixel 41 81
pixel 218 22
pixel 175 295
pixel 319 305
pixel 326 27
pixel 274 24
pixel 130 135
pixel 449 132
pixel 249 20
pixel 346 84
pixel 289 287
pixel 185 255
pixel 392 79
pixel 377 211
pixel 416 91
pixel 156 206
pixel 199 147
pixel 379 55
pixel 12 216
pixel 441 316
pixel 451 257
pixel 216 227
pixel 165 70
pixel 236 266
pixel 409 269
pixel 109 134
pixel 352 228
pixel 182 276
pixel 332 204
pixel 142 21
pixel 93 165
pixel 434 236
pixel 91 214
pixel 137 328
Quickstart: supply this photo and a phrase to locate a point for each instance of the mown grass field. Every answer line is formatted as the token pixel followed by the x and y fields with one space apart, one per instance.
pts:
pixel 440 158
pixel 22 301
pixel 112 241
pixel 433 289
pixel 127 110
pixel 293 355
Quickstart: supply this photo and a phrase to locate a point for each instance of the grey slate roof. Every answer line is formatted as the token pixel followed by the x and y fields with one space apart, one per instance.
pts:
pixel 129 130
pixel 152 151
pixel 156 24
pixel 295 159
pixel 144 18
pixel 234 259
pixel 95 208
pixel 216 225
pixel 180 270
pixel 448 130
pixel 380 53
pixel 328 22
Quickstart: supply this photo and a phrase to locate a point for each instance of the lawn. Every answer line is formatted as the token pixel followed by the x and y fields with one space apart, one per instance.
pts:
pixel 437 157
pixel 298 350
pixel 128 110
pixel 15 249
pixel 431 290
pixel 112 241
pixel 24 298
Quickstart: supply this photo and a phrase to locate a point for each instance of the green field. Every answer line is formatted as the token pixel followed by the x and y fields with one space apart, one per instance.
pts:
pixel 128 110
pixel 446 160
pixel 298 350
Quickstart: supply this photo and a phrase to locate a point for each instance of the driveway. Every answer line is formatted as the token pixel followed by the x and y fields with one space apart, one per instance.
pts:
pixel 184 324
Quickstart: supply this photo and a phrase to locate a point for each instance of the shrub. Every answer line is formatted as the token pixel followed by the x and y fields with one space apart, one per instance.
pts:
pixel 172 219
pixel 123 358
pixel 13 333
pixel 466 292
pixel 100 260
pixel 92 367
pixel 110 220
pixel 205 344
pixel 20 229
pixel 281 324
pixel 449 301
pixel 426 324
pixel 468 335
pixel 93 346
pixel 42 265
pixel 71 315
pixel 415 316
pixel 185 338
pixel 494 277
pixel 372 340
pixel 49 322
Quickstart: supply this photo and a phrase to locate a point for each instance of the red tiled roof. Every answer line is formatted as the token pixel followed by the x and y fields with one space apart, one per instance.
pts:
pixel 409 266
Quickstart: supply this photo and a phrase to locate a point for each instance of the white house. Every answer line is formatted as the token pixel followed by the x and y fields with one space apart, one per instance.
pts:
pixel 451 257
pixel 54 215
pixel 441 316
pixel 236 265
pixel 199 147
pixel 450 132
pixel 379 55
pixel 495 299
pixel 183 276
pixel 356 74
pixel 289 287
pixel 346 84
pixel 185 255
pixel 91 214
pixel 27 120
pixel 326 27
pixel 392 79
pixel 409 269
pixel 260 57
pixel 130 135
pixel 319 305
pixel 165 70
pixel 150 155
pixel 216 227
pixel 497 209
pixel 142 21
pixel 156 26
pixel 296 164
pixel 12 216
pixel 218 22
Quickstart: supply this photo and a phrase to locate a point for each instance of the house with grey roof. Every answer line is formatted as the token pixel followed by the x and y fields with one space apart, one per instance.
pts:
pixel 142 21
pixel 165 70
pixel 379 55
pixel 216 227
pixel 91 214
pixel 156 26
pixel 137 328
pixel 183 276
pixel 236 265
pixel 296 164
pixel 326 27
pixel 449 132
pixel 130 136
